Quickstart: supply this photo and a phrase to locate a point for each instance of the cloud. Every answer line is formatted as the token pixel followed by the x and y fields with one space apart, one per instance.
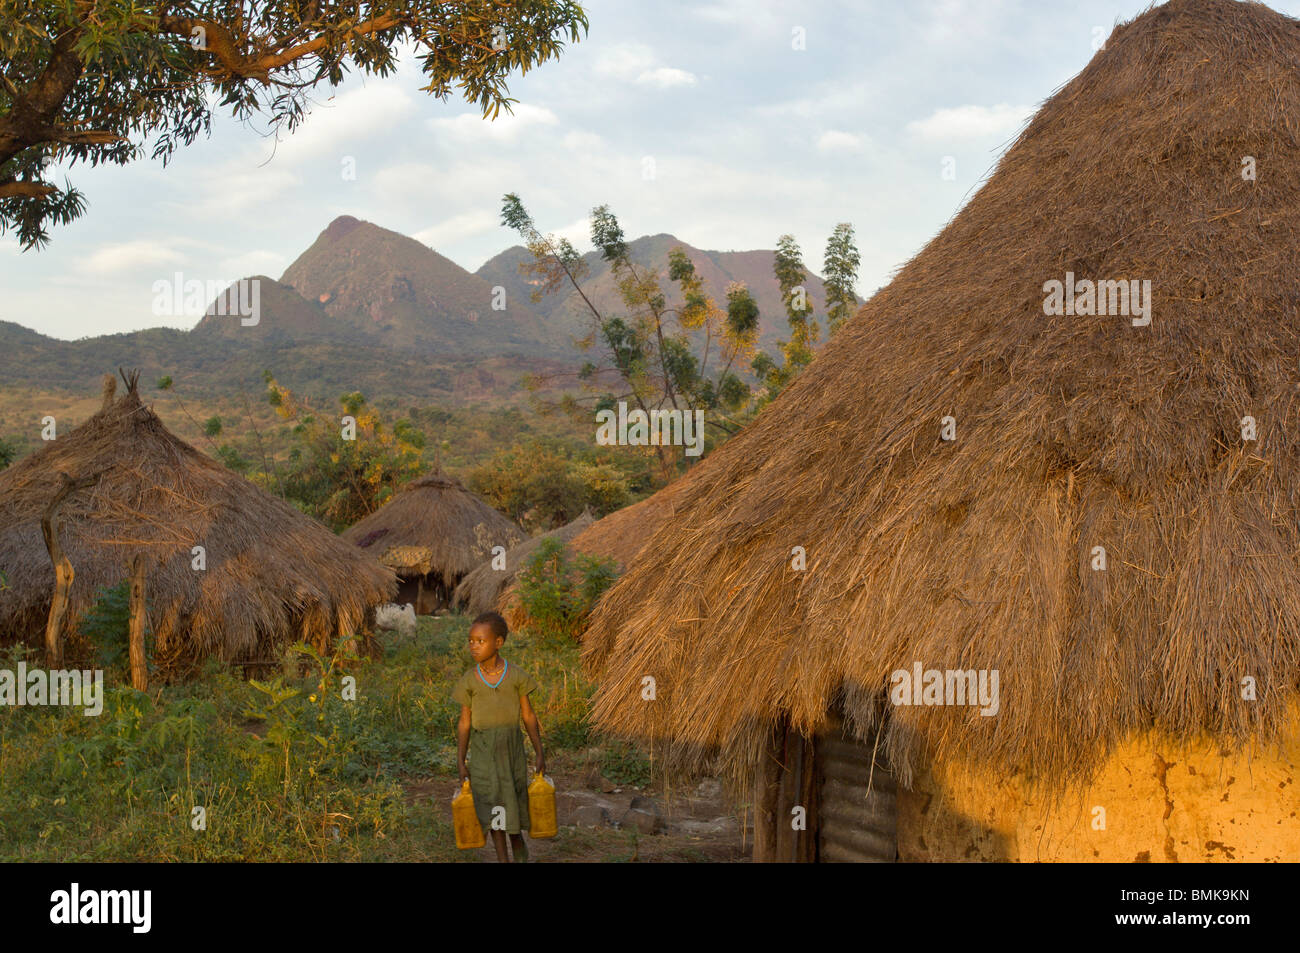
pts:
pixel 346 123
pixel 457 228
pixel 665 77
pixel 637 63
pixel 507 127
pixel 129 256
pixel 971 122
pixel 833 140
pixel 259 262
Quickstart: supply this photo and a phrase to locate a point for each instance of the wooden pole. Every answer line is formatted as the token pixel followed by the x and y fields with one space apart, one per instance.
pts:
pixel 63 571
pixel 139 669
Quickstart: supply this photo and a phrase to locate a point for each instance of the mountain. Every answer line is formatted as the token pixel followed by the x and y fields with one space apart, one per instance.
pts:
pixel 365 308
pixel 567 312
pixel 391 291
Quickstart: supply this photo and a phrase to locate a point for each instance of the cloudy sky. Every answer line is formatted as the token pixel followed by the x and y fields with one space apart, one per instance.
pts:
pixel 695 117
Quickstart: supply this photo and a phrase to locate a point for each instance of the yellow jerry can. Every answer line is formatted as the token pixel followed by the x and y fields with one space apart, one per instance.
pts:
pixel 469 832
pixel 541 808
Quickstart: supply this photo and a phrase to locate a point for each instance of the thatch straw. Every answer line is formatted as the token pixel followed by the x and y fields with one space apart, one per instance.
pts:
pixel 434 527
pixel 273 575
pixel 1073 432
pixel 481 590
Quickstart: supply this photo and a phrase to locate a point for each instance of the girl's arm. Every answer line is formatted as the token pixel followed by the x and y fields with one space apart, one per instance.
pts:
pixel 462 741
pixel 534 729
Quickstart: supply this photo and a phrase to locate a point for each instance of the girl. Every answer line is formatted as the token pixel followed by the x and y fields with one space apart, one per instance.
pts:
pixel 493 698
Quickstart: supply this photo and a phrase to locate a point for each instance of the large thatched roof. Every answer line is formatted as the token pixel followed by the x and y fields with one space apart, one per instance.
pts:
pixel 481 590
pixel 1072 433
pixel 272 576
pixel 436 526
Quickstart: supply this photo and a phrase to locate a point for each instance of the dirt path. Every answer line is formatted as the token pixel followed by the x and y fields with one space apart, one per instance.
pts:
pixel 695 827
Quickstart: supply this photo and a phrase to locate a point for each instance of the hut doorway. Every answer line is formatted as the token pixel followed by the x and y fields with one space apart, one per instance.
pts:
pixel 825 799
pixel 857 800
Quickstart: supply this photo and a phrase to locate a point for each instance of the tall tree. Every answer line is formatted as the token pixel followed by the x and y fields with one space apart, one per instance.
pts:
pixel 839 275
pixel 650 349
pixel 796 353
pixel 94 80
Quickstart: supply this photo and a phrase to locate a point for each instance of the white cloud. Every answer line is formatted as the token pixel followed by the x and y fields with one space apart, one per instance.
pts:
pixel 637 63
pixel 507 127
pixel 128 256
pixel 971 122
pixel 666 77
pixel 346 123
pixel 457 228
pixel 258 262
pixel 833 140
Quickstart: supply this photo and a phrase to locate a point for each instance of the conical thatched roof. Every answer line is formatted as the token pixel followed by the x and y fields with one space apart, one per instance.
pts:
pixel 1072 433
pixel 482 589
pixel 435 526
pixel 272 576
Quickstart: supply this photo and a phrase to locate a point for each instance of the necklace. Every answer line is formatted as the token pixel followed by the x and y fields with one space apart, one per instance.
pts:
pixel 504 666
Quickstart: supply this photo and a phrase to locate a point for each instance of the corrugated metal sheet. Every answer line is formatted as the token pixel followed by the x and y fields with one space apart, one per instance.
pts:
pixel 857 806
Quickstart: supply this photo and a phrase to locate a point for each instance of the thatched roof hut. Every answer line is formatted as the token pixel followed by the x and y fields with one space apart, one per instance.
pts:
pixel 1172 158
pixel 433 533
pixel 270 575
pixel 481 590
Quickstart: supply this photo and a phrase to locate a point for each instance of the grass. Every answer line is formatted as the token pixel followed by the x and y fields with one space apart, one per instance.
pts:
pixel 285 770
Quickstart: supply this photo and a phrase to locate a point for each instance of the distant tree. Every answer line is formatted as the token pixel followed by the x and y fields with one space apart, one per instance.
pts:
pixel 541 487
pixel 840 275
pixel 337 479
pixel 8 452
pixel 647 350
pixel 797 352
pixel 95 80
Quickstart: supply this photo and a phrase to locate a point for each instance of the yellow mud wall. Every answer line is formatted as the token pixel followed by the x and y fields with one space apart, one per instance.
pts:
pixel 1162 802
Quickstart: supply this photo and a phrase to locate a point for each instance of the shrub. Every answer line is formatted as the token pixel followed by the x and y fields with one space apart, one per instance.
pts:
pixel 557 594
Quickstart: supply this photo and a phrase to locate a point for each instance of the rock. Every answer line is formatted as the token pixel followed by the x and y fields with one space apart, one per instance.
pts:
pixel 719 825
pixel 709 788
pixel 590 815
pixel 606 785
pixel 644 818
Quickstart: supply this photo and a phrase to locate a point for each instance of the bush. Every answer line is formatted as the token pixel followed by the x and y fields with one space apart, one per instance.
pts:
pixel 557 594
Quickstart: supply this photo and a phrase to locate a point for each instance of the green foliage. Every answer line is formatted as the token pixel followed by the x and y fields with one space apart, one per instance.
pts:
pixel 108 82
pixel 8 452
pixel 106 625
pixel 287 768
pixel 558 593
pixel 164 383
pixel 625 764
pixel 840 274
pixel 212 427
pixel 542 486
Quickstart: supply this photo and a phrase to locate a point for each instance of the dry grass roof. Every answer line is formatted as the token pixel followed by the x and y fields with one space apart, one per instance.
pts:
pixel 481 590
pixel 1072 433
pixel 273 575
pixel 435 525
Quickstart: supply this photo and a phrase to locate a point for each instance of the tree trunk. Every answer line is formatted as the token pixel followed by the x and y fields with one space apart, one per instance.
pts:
pixel 139 669
pixel 63 571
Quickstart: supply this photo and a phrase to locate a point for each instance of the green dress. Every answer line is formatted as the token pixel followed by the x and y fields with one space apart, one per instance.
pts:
pixel 498 766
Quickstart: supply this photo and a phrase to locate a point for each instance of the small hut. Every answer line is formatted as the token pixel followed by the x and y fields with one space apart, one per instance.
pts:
pixel 1094 501
pixel 230 571
pixel 433 533
pixel 481 590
